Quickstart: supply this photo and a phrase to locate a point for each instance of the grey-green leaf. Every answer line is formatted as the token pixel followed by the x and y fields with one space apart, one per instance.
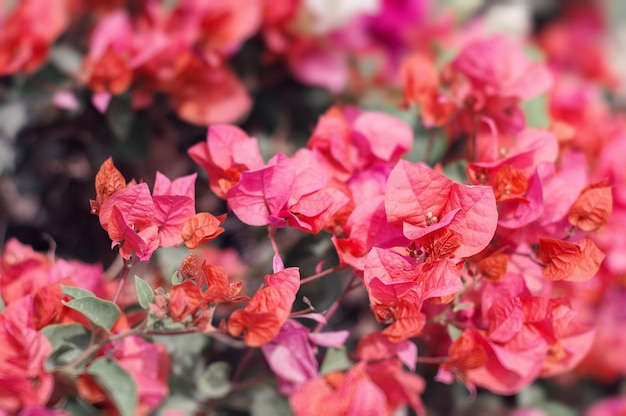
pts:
pixel 76 292
pixel 214 382
pixel 99 311
pixel 62 355
pixel 145 294
pixel 335 359
pixel 75 334
pixel 117 383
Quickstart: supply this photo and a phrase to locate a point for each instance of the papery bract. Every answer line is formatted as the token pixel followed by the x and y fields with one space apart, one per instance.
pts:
pixel 592 208
pixel 498 66
pixel 260 195
pixel 565 260
pixel 201 228
pixel 291 357
pixel 227 152
pixel 22 376
pixel 419 197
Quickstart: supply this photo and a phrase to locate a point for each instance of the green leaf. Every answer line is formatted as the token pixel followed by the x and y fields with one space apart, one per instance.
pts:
pixel 119 385
pixel 67 59
pixel 335 359
pixel 558 409
pixel 215 381
pixel 454 332
pixel 76 292
pixel 456 171
pixel 77 406
pixel 62 355
pixel 99 311
pixel 267 401
pixel 531 396
pixel 74 334
pixel 174 280
pixel 536 112
pixel 145 294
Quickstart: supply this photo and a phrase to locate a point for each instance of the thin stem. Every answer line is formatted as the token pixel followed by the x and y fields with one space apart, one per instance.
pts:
pixel 128 264
pixel 242 364
pixel 94 348
pixel 333 308
pixel 217 335
pixel 320 274
pixel 277 262
pixel 431 360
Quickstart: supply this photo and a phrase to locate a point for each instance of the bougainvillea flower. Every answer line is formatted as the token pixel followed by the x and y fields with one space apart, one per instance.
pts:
pixel 22 376
pixel 418 197
pixel 28 30
pixel 22 271
pixel 201 228
pixel 260 195
pixel 106 66
pixel 357 394
pixel 227 152
pixel 593 207
pixel 319 65
pixel 608 406
pixel 287 191
pixel 352 141
pixel 564 260
pixel 203 95
pixel 517 178
pixel 174 203
pixel 419 79
pixel 291 357
pixel 260 321
pixel 498 66
pixel 385 361
pixel 507 368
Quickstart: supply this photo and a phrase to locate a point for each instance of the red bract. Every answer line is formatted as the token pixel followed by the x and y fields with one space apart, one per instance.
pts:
pixel 384 366
pixel 351 141
pixel 203 96
pixel 227 152
pixel 260 321
pixel 201 228
pixel 123 235
pixel 260 195
pixel 22 376
pixel 497 66
pixel 564 260
pixel 419 198
pixel 22 271
pixel 140 223
pixel 27 33
pixel 287 191
pixel 109 180
pixel 593 207
pixel 356 394
pixel 107 66
pixel 291 357
pixel 174 204
pixel 419 78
